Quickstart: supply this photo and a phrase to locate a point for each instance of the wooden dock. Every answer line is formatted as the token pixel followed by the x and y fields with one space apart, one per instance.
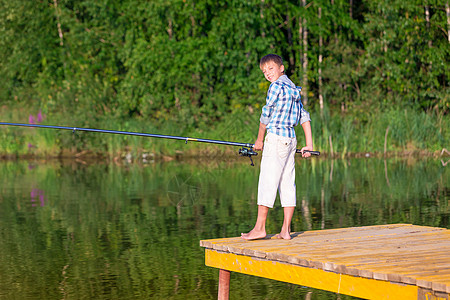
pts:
pixel 398 261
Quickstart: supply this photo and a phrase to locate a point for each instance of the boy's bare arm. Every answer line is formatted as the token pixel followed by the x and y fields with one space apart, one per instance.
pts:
pixel 308 138
pixel 260 140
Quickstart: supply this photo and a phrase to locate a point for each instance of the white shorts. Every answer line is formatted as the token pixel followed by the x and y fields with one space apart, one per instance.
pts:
pixel 277 171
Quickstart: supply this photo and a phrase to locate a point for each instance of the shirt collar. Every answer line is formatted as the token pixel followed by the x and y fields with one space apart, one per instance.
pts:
pixel 284 79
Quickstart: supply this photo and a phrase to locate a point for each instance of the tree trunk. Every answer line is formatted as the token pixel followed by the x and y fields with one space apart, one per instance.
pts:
pixel 427 18
pixel 351 8
pixel 320 63
pixel 335 28
pixel 305 58
pixel 170 29
pixel 289 36
pixel 447 9
pixel 193 22
pixel 61 37
pixel 261 14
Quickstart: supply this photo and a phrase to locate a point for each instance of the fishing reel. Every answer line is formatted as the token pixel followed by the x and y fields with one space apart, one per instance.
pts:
pixel 248 152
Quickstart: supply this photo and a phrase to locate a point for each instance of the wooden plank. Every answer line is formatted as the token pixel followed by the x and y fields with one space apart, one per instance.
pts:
pixel 407 274
pixel 424 294
pixel 403 253
pixel 397 259
pixel 237 246
pixel 438 282
pixel 368 243
pixel 338 234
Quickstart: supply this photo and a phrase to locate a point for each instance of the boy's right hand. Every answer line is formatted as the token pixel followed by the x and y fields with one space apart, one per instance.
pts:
pixel 306 154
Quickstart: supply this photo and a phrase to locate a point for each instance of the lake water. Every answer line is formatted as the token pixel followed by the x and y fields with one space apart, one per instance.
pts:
pixel 77 230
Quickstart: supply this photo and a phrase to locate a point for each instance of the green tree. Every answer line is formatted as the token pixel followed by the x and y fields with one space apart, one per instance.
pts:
pixel 400 60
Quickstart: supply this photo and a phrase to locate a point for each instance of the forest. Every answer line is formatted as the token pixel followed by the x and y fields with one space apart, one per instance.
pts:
pixel 375 74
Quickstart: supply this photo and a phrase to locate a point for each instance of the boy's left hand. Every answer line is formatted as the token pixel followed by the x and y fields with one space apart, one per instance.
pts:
pixel 258 145
pixel 306 154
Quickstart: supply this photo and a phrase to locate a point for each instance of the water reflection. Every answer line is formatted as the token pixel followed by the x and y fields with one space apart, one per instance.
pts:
pixel 101 231
pixel 37 195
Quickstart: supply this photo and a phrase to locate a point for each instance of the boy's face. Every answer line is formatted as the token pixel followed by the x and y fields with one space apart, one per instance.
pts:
pixel 272 71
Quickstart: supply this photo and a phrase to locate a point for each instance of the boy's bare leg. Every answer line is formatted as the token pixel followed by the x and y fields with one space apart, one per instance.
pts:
pixel 259 231
pixel 286 229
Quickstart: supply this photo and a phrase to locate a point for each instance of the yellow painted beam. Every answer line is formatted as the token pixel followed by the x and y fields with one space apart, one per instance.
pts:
pixel 315 278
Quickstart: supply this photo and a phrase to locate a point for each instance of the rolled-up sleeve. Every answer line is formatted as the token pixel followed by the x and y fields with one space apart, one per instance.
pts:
pixel 271 101
pixel 304 116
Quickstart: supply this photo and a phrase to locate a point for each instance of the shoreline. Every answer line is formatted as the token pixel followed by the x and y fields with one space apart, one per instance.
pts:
pixel 195 155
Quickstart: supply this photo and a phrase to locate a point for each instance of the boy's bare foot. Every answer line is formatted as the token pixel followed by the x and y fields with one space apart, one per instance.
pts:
pixel 253 235
pixel 285 236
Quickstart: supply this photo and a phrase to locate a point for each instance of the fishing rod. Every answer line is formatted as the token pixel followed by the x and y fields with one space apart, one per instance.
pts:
pixel 245 150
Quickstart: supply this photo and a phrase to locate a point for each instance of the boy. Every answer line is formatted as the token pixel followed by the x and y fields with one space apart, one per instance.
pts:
pixel 283 111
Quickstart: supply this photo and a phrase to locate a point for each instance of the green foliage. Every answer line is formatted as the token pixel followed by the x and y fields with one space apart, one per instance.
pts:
pixel 409 131
pixel 407 56
pixel 193 65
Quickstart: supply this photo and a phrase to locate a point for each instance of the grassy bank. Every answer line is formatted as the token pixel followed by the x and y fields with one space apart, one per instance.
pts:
pixel 391 131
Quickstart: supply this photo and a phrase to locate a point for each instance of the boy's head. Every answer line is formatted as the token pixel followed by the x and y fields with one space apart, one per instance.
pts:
pixel 272 67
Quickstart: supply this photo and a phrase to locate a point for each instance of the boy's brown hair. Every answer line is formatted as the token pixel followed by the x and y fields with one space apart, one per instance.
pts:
pixel 271 57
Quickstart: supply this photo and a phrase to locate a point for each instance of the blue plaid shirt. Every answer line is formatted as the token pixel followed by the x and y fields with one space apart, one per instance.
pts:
pixel 283 109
